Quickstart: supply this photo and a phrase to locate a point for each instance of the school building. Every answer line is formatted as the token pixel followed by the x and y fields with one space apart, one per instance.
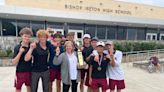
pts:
pixel 105 19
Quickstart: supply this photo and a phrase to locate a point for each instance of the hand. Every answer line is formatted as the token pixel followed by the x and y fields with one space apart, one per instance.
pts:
pixel 21 49
pixel 96 58
pixel 111 50
pixel 108 56
pixel 90 81
pixel 33 45
pixel 82 48
pixel 57 51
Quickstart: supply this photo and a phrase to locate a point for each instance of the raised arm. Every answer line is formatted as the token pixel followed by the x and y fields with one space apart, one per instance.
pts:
pixel 90 74
pixel 58 58
pixel 28 55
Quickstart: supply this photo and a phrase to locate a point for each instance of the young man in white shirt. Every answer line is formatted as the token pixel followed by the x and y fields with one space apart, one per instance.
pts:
pixel 114 71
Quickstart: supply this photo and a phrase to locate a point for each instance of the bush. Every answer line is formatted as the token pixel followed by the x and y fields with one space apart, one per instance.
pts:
pixel 3 53
pixel 138 46
pixel 6 53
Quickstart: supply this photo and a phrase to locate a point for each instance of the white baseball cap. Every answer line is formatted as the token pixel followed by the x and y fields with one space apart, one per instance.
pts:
pixel 100 43
pixel 109 42
pixel 86 36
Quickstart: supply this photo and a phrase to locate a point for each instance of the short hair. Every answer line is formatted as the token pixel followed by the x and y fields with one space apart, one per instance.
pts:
pixel 26 30
pixel 57 35
pixel 69 42
pixel 41 33
pixel 71 34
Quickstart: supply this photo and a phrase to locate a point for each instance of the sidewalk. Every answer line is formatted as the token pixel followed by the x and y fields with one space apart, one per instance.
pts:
pixel 137 80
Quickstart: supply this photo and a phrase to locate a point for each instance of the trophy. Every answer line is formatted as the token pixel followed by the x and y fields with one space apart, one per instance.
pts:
pixel 80 56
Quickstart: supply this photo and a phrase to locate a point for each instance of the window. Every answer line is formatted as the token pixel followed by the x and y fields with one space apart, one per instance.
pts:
pixel 101 32
pixel 8 27
pixel 161 34
pixel 79 35
pixel 22 24
pixel 132 33
pixel 0 27
pixel 111 32
pixel 141 34
pixel 121 33
pixel 90 29
pixel 36 25
pixel 55 25
pixel 76 26
pixel 151 36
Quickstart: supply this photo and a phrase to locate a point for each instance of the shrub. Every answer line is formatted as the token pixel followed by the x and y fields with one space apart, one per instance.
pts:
pixel 128 46
pixel 3 53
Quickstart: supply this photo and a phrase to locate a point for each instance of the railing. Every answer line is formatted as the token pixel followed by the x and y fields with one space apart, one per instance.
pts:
pixel 142 55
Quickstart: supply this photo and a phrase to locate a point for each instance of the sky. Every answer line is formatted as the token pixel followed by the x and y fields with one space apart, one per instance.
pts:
pixel 149 2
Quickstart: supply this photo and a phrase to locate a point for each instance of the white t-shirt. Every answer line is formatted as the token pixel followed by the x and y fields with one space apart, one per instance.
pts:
pixel 116 72
pixel 73 66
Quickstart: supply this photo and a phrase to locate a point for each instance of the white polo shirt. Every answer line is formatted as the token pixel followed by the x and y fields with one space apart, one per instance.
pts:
pixel 73 66
pixel 116 72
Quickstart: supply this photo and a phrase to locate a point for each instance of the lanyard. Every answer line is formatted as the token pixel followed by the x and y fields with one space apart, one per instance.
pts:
pixel 100 60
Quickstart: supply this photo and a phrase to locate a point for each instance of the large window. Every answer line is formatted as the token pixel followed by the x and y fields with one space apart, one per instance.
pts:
pixel 141 34
pixel 55 25
pixel 132 33
pixel 151 34
pixel 36 25
pixel 90 29
pixel 101 32
pixel 111 32
pixel 22 24
pixel 76 26
pixel 121 33
pixel 8 27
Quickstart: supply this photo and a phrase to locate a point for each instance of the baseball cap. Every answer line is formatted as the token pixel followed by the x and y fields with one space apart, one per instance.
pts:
pixel 109 42
pixel 94 39
pixel 86 36
pixel 100 43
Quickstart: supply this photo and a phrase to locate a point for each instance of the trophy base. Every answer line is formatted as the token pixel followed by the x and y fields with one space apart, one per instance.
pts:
pixel 84 66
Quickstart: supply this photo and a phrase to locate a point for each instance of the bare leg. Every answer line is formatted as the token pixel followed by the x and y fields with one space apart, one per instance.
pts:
pixel 96 90
pixel 18 90
pixel 89 89
pixel 118 90
pixel 28 88
pixel 58 85
pixel 82 85
pixel 158 67
pixel 50 86
pixel 111 90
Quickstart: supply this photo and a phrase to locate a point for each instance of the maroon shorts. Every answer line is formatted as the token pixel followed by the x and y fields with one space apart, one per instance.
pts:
pixel 116 83
pixel 96 83
pixel 54 74
pixel 21 78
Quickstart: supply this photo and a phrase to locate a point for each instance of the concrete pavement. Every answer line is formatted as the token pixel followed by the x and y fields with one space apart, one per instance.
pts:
pixel 137 80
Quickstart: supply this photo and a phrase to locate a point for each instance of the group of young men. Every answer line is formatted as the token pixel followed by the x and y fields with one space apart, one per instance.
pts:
pixel 34 60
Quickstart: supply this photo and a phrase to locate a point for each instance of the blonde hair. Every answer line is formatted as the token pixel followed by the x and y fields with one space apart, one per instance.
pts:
pixel 41 33
pixel 69 42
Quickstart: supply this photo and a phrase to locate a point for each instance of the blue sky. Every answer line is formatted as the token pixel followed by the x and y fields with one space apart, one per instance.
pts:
pixel 149 2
